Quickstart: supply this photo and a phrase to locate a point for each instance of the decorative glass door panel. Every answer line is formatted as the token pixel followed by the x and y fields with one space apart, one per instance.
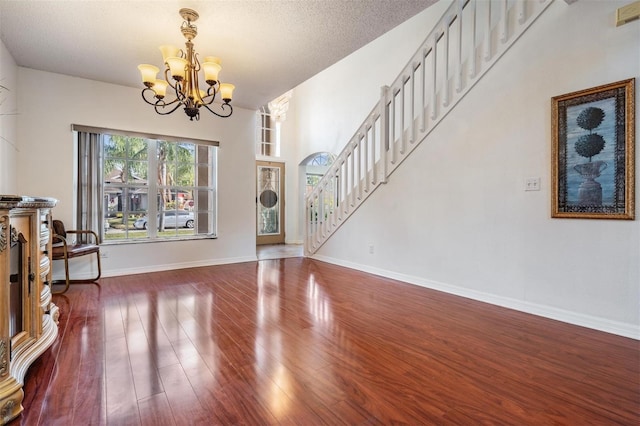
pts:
pixel 270 202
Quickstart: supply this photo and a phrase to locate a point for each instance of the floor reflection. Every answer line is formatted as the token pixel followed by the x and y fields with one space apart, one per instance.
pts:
pixel 268 339
pixel 298 341
pixel 279 251
pixel 318 303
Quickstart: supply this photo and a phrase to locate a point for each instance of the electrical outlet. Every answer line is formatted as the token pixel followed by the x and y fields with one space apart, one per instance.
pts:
pixel 532 184
pixel 371 249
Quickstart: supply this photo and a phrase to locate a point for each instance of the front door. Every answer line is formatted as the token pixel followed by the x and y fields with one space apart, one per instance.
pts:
pixel 270 202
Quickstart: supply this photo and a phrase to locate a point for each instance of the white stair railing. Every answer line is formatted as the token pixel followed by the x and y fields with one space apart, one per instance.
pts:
pixel 469 38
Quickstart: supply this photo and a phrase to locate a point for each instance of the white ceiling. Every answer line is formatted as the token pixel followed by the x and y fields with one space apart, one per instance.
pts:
pixel 267 47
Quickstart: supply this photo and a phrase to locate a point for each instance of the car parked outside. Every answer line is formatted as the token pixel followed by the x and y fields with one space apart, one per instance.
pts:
pixel 184 220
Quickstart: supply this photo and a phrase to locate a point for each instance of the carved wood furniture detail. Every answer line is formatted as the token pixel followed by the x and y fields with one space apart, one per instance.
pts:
pixel 28 317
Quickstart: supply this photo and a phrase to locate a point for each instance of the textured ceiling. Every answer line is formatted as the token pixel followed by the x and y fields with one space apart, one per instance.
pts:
pixel 266 47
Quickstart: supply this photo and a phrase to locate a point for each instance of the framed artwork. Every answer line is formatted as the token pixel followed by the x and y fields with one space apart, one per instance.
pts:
pixel 593 153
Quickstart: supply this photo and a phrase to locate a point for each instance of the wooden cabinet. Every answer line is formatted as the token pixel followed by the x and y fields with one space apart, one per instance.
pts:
pixel 28 317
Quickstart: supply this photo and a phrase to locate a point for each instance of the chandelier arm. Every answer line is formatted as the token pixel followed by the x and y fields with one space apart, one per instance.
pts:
pixel 181 94
pixel 223 106
pixel 196 62
pixel 159 103
pixel 209 93
pixel 165 105
pixel 168 79
pixel 147 90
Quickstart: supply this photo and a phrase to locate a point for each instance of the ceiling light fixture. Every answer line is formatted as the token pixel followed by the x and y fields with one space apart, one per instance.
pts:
pixel 181 74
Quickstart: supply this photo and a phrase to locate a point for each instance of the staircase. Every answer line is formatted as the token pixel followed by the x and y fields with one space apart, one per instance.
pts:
pixel 469 38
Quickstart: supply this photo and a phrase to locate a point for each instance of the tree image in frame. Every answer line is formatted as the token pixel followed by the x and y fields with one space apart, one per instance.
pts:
pixel 592 143
pixel 588 144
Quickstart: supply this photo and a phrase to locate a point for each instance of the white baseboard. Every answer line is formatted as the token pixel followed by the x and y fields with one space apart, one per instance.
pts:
pixel 165 267
pixel 614 327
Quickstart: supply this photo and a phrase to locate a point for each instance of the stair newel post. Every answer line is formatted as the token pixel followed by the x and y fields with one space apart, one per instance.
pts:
pixel 311 221
pixel 337 217
pixel 317 227
pixel 321 213
pixel 383 140
pixel 307 226
pixel 313 234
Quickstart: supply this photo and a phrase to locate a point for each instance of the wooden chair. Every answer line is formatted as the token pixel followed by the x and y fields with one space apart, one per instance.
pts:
pixel 65 250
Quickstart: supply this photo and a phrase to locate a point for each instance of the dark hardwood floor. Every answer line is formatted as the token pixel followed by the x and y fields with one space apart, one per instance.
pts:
pixel 300 342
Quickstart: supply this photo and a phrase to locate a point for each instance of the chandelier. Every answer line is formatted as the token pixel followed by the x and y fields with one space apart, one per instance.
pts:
pixel 181 76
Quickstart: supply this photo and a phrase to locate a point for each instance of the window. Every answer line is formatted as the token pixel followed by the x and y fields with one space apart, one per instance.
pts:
pixel 267 134
pixel 134 187
pixel 269 120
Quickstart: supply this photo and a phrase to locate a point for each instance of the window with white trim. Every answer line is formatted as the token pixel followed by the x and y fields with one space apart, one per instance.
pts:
pixel 134 187
pixel 269 121
pixel 267 134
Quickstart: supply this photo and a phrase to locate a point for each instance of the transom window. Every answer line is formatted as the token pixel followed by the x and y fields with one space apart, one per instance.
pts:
pixel 150 188
pixel 269 120
pixel 267 134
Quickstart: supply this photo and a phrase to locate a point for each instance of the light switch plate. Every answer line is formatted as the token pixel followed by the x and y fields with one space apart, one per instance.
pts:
pixel 532 184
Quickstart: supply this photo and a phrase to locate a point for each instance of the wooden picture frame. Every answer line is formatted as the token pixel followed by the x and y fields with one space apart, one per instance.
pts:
pixel 593 153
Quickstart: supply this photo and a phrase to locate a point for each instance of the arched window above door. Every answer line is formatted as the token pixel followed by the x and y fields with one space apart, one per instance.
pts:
pixel 314 167
pixel 319 159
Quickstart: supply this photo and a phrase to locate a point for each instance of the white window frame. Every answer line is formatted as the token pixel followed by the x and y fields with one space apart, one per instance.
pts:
pixel 205 214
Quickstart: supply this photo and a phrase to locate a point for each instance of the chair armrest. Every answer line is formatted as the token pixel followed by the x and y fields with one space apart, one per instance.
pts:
pixel 57 239
pixel 60 241
pixel 95 236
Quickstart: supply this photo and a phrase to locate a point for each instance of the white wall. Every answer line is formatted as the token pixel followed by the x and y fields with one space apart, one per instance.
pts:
pixel 50 103
pixel 8 128
pixel 455 216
